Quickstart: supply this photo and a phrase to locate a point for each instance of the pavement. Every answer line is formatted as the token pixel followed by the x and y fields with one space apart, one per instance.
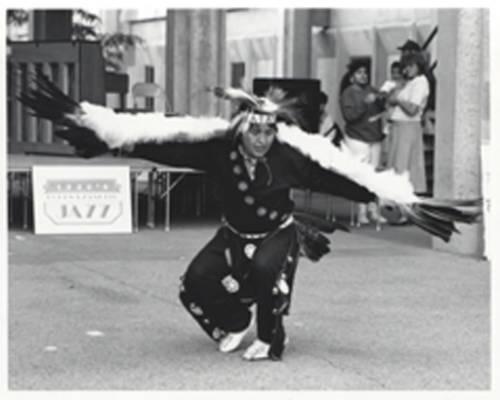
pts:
pixel 382 311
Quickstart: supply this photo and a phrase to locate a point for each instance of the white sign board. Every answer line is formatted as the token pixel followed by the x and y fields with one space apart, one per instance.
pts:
pixel 82 199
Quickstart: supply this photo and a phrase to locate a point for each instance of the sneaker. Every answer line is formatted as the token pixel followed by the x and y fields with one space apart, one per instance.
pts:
pixel 232 340
pixel 258 350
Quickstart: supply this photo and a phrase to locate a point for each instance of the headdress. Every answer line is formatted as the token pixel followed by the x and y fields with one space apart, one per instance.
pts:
pixel 271 108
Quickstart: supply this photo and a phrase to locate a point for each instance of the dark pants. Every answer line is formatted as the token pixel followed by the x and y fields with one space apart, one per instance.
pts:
pixel 215 307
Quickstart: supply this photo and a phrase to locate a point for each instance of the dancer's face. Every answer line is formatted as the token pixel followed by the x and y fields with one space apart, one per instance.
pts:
pixel 257 140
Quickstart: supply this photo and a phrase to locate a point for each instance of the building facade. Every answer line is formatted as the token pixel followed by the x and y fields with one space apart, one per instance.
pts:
pixel 186 51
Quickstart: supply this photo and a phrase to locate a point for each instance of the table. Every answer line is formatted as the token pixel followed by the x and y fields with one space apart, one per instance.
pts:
pixel 20 164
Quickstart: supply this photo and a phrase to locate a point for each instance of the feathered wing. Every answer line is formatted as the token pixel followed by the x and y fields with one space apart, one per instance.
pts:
pixel 438 217
pixel 113 129
pixel 92 129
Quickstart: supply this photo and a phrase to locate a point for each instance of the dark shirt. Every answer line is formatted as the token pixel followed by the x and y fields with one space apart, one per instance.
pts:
pixel 356 113
pixel 258 205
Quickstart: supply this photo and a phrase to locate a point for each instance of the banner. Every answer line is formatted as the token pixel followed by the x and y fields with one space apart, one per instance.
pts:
pixel 82 199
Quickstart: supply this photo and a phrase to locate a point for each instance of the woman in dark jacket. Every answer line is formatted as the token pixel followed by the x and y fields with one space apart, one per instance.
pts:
pixel 361 106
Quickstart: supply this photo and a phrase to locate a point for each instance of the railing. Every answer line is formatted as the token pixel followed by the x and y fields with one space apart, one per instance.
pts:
pixel 76 67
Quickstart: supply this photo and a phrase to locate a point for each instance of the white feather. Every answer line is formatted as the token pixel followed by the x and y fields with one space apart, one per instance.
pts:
pixel 119 129
pixel 386 184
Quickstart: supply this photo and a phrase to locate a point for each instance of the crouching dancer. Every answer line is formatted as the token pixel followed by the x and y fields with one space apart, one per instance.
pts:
pixel 255 160
pixel 253 256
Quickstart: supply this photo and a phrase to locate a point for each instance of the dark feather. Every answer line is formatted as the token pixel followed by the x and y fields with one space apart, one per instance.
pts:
pixel 313 244
pixel 453 214
pixel 427 224
pixel 84 140
pixel 438 217
pixel 47 86
pixel 320 223
pixel 47 101
pixel 451 202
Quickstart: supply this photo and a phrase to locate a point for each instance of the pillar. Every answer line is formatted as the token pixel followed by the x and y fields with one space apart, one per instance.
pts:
pixel 195 59
pixel 297 42
pixel 459 113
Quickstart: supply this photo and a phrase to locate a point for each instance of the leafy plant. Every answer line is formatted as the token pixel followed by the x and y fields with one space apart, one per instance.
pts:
pixel 17 17
pixel 85 27
pixel 114 45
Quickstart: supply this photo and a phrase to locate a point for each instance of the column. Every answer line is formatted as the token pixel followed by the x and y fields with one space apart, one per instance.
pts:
pixel 460 77
pixel 195 59
pixel 297 41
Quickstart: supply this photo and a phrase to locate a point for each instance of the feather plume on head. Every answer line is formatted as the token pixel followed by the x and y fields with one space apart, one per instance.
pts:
pixel 93 129
pixel 270 109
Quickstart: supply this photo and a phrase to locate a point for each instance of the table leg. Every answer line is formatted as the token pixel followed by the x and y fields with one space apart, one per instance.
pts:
pixel 151 200
pixel 167 201
pixel 10 196
pixel 135 193
pixel 352 206
pixel 25 201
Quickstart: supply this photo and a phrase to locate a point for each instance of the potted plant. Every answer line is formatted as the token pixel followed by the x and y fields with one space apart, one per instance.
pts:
pixel 114 47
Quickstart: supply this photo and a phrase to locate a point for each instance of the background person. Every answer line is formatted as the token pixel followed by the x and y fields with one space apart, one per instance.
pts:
pixel 406 153
pixel 363 135
pixel 392 85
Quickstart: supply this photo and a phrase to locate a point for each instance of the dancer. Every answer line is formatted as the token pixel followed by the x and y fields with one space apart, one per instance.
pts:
pixel 256 159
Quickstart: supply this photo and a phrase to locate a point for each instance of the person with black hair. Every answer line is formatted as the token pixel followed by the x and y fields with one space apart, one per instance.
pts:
pixel 361 106
pixel 406 154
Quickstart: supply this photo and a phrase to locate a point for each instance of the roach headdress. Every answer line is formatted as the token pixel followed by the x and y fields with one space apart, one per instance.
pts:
pixel 269 109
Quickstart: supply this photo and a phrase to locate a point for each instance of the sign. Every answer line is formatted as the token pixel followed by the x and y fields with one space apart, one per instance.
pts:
pixel 81 199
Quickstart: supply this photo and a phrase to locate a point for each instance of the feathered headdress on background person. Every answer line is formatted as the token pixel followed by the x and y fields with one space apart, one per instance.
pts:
pixel 93 129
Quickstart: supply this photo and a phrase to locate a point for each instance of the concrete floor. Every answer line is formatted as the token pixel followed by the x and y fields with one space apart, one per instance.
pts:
pixel 382 311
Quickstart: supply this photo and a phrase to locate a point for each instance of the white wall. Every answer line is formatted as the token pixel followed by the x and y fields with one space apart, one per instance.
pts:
pixel 250 23
pixel 368 17
pixel 145 23
pixel 253 38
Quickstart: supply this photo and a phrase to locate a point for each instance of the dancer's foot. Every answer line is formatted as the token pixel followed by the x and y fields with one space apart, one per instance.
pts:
pixel 232 340
pixel 258 350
